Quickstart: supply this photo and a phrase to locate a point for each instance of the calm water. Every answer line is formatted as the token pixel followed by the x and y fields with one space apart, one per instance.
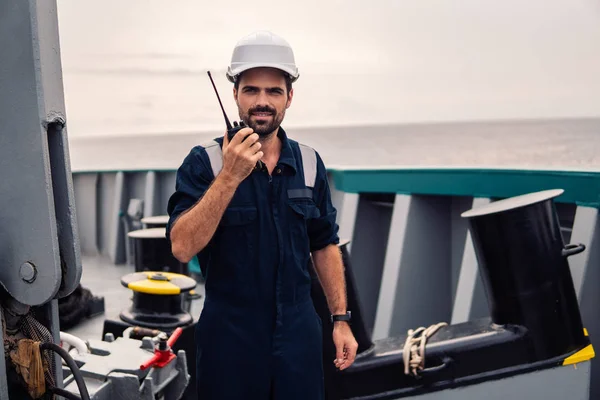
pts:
pixel 558 144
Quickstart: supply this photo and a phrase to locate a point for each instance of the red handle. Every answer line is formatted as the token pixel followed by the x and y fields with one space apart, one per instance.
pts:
pixel 150 362
pixel 174 336
pixel 163 357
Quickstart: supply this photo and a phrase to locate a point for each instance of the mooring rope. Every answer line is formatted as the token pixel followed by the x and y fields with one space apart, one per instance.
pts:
pixel 414 348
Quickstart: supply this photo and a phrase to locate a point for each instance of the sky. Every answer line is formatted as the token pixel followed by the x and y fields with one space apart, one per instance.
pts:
pixel 139 66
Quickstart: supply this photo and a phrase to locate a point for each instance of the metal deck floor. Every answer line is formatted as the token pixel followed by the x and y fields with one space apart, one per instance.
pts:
pixel 103 278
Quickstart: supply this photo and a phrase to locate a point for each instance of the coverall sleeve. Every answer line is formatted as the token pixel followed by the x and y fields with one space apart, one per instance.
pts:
pixel 192 180
pixel 323 231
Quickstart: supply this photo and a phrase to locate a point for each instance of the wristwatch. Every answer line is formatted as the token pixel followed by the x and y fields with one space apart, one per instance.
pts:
pixel 341 317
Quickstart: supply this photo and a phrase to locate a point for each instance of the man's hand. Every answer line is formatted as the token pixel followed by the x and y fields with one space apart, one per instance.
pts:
pixel 345 345
pixel 241 154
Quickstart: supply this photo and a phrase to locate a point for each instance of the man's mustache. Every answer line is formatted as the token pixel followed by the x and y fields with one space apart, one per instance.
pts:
pixel 262 110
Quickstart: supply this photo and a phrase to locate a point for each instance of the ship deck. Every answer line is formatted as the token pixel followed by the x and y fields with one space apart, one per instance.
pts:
pixel 103 278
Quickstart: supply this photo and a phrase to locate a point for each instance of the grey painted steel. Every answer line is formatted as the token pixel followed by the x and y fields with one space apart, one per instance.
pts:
pixel 460 229
pixel 337 196
pixel 124 352
pixel 346 205
pixel 369 242
pixel 585 272
pixel 172 382
pixel 584 229
pixel 86 204
pixel 32 116
pixel 136 187
pixel 150 193
pixel 469 274
pixel 64 204
pixel 558 383
pixel 127 355
pixel 391 267
pixel 424 292
pixel 3 381
pixel 118 386
pixel 101 198
pixel 105 194
pixel 590 299
pixel 116 249
pixel 166 188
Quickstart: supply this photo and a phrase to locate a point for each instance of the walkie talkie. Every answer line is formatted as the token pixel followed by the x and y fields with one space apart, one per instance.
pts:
pixel 237 126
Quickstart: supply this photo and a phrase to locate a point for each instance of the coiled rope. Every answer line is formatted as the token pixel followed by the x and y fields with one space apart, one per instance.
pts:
pixel 413 352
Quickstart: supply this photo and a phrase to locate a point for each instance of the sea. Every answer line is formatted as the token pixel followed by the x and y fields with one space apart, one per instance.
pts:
pixel 565 144
pixel 387 83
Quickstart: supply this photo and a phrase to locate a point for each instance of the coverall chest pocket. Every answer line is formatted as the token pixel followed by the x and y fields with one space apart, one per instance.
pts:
pixel 237 239
pixel 303 209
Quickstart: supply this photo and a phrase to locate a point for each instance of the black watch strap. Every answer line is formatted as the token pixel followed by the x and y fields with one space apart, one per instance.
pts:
pixel 342 317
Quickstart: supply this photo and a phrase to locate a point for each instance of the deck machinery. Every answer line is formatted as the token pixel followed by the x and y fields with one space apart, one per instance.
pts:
pixel 39 250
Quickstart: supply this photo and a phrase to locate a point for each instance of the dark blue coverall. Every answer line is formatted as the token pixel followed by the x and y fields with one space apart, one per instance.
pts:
pixel 259 336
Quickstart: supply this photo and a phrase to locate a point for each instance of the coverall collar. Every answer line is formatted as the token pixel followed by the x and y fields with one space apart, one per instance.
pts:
pixel 287 155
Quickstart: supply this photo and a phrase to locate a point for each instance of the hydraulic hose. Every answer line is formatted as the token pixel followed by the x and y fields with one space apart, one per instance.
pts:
pixel 72 366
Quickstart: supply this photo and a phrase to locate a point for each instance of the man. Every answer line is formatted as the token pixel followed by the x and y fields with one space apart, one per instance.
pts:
pixel 254 209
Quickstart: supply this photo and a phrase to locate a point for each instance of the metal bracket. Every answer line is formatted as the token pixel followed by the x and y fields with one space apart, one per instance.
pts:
pixel 39 244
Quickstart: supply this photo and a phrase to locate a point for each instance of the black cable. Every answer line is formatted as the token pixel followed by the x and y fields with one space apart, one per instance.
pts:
pixel 72 366
pixel 64 393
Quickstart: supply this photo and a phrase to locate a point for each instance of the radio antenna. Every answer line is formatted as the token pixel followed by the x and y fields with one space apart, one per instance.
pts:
pixel 227 123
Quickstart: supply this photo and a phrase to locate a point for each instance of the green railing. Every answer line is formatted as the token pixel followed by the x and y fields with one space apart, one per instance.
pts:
pixel 581 187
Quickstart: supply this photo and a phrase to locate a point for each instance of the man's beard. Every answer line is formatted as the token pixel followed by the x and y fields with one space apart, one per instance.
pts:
pixel 262 128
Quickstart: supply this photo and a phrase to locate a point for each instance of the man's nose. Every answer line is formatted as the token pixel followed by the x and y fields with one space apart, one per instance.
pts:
pixel 262 99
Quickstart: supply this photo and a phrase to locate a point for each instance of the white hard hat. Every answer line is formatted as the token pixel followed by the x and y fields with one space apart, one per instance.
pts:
pixel 262 49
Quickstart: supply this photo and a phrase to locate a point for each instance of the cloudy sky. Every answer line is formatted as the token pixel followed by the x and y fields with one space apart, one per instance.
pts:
pixel 139 66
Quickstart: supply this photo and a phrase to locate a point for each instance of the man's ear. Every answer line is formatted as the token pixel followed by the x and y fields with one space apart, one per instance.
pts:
pixel 235 98
pixel 289 100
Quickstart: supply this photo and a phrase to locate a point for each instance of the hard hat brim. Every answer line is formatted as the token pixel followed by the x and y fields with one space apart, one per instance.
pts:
pixel 232 74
